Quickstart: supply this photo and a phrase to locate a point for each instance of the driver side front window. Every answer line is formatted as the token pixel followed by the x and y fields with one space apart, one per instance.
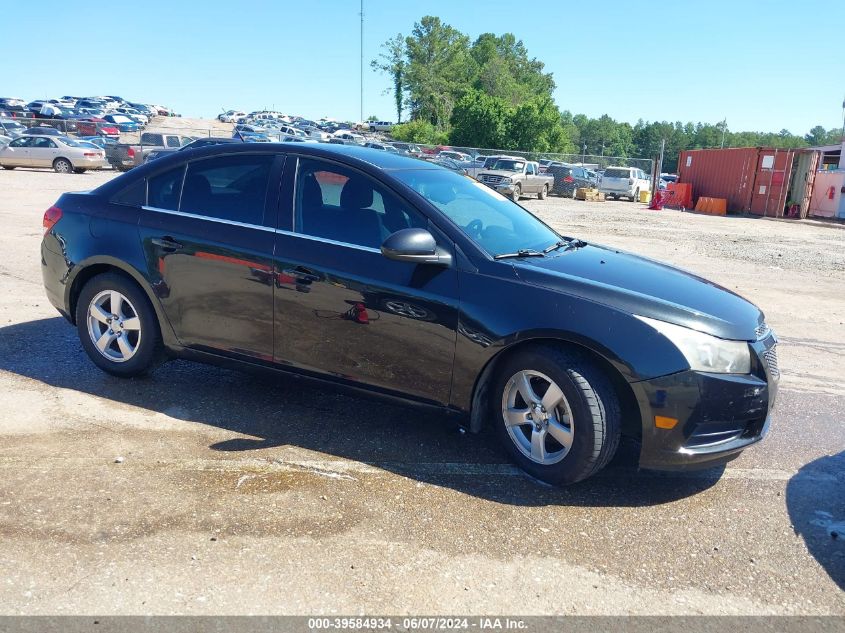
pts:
pixel 340 204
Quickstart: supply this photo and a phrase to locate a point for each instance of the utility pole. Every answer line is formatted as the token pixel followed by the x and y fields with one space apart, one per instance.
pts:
pixel 724 129
pixel 362 61
pixel 583 154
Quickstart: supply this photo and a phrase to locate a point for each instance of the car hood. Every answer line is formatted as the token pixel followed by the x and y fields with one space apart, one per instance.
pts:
pixel 644 287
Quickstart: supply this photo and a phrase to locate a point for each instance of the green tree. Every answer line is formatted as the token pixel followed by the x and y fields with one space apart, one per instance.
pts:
pixel 419 131
pixel 819 136
pixel 439 70
pixel 505 70
pixel 479 120
pixel 391 61
pixel 535 126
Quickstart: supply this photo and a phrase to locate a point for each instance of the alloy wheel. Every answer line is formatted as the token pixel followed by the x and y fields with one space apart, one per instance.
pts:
pixel 114 326
pixel 537 417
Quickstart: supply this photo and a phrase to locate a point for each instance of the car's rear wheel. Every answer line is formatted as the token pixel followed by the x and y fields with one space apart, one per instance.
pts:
pixel 117 326
pixel 9 167
pixel 543 192
pixel 62 166
pixel 556 413
pixel 636 196
pixel 574 193
pixel 517 192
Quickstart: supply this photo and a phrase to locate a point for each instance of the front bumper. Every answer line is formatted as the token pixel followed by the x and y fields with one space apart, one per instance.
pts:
pixel 506 189
pixel 718 415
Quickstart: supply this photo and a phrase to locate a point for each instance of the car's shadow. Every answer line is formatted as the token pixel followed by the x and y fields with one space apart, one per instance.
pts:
pixel 815 499
pixel 268 410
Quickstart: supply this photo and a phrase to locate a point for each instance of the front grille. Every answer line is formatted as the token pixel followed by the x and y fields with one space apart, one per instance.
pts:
pixel 762 331
pixel 771 356
pixel 491 179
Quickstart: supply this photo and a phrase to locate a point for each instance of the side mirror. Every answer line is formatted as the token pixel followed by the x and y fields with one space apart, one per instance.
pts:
pixel 416 246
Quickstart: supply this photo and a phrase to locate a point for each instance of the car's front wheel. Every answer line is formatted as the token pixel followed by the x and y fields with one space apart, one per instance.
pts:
pixel 517 192
pixel 117 326
pixel 556 413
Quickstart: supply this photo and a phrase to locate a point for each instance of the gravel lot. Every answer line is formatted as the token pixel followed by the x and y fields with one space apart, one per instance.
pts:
pixel 206 491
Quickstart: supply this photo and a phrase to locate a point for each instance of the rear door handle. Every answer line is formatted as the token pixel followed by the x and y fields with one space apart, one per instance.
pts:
pixel 301 273
pixel 167 243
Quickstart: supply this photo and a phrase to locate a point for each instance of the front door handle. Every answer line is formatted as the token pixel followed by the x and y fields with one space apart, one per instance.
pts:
pixel 167 244
pixel 300 273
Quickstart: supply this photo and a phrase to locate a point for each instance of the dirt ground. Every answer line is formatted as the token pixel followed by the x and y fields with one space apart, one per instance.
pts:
pixel 201 490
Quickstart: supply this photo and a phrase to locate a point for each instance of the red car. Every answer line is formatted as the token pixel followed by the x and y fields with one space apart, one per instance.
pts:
pixel 95 126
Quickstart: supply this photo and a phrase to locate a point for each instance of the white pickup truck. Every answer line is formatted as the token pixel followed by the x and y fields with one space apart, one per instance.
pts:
pixel 516 177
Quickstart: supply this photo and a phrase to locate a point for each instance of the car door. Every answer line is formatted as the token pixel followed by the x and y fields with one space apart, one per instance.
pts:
pixel 530 179
pixel 343 309
pixel 42 152
pixel 208 237
pixel 16 153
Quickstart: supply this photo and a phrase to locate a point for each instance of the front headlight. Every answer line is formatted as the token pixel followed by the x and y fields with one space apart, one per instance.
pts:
pixel 704 352
pixel 506 181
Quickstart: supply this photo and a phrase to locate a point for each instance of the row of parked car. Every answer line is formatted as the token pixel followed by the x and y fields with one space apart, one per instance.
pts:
pixel 83 116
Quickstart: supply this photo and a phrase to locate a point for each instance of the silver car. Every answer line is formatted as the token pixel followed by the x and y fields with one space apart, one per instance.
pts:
pixel 63 154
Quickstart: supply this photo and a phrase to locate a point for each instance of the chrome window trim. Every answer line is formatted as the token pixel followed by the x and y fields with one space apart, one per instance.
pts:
pixel 197 216
pixel 324 240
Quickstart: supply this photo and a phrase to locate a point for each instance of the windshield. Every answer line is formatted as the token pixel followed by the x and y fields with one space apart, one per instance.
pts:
pixel 505 164
pixel 488 218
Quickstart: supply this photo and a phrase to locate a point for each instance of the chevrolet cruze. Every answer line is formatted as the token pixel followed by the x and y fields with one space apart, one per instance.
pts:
pixel 362 269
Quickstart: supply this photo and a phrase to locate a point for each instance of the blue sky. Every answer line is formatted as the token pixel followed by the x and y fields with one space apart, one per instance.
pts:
pixel 763 65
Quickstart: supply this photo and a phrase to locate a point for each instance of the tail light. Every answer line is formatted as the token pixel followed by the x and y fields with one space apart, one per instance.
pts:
pixel 131 152
pixel 91 154
pixel 51 216
pixel 569 179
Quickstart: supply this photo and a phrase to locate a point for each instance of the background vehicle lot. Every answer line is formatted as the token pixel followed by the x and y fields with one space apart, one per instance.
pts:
pixel 314 498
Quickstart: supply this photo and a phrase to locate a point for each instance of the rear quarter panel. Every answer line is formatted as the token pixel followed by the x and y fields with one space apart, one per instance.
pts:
pixel 95 233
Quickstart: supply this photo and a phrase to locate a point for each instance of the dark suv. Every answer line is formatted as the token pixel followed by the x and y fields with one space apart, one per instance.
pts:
pixel 568 179
pixel 387 274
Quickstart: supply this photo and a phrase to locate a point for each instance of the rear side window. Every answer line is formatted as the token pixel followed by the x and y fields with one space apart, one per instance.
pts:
pixel 173 141
pixel 163 190
pixel 228 187
pixel 133 196
pixel 617 173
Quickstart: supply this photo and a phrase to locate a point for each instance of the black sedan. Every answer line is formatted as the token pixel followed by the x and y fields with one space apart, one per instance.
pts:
pixel 397 277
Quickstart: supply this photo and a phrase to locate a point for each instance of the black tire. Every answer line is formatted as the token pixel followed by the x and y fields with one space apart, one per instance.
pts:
pixel 574 193
pixel 517 192
pixel 593 401
pixel 9 167
pixel 62 166
pixel 636 196
pixel 150 351
pixel 544 192
pixel 79 170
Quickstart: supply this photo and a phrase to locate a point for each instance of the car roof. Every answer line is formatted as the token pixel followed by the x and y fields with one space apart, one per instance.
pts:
pixel 354 155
